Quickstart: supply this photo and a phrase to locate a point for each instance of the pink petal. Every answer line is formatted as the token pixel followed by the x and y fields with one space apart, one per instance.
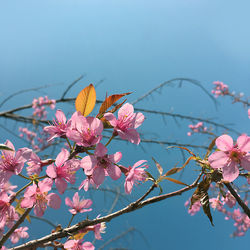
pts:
pixel 51 171
pixel 98 175
pixel 95 124
pixel 100 150
pixel 45 185
pixel 61 185
pixel 243 143
pixel 139 118
pixel 62 157
pixel 115 157
pixel 139 163
pixel 8 153
pixel 128 186
pixel 68 202
pixel 31 190
pixel 218 159
pixel 86 203
pixel 230 172
pixel 88 246
pixel 131 135
pixel 88 163
pixel 126 109
pixel 39 209
pixel 114 172
pixel 111 119
pixel 224 142
pixel 76 199
pixel 27 202
pixel 54 201
pixel 245 162
pixel 60 116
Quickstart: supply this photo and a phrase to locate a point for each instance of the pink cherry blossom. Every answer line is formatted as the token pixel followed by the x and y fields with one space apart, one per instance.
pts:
pixel 19 233
pixel 11 162
pixel 230 156
pixel 38 197
pixel 98 229
pixel 7 188
pixel 59 127
pixel 126 123
pixel 5 208
pixel 85 131
pixel 34 165
pixel 100 163
pixel 220 89
pixel 86 183
pixel 135 174
pixel 78 245
pixel 77 205
pixel 63 170
pixel 229 200
pixel 195 207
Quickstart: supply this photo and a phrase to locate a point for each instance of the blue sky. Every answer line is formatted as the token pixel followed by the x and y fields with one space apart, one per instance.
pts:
pixel 135 46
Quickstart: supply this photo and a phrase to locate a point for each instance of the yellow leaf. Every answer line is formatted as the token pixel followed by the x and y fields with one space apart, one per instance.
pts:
pixel 85 101
pixel 20 210
pixel 79 236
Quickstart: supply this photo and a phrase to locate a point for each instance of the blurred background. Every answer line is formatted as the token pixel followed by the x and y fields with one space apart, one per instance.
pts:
pixel 134 46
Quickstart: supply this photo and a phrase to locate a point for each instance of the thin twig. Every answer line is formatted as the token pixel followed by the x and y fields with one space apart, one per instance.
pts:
pixel 240 202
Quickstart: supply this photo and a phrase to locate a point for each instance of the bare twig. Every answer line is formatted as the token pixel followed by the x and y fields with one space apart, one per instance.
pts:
pixel 240 202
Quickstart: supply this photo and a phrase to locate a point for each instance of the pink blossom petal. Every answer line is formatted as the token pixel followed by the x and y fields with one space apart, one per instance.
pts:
pixel 139 118
pixel 230 172
pixel 68 202
pixel 62 157
pixel 88 246
pixel 61 118
pixel 31 190
pixel 39 210
pixel 128 186
pixel 76 198
pixel 27 202
pixel 98 175
pixel 138 163
pixel 245 162
pixel 218 159
pixel 88 163
pixel 8 153
pixel 131 135
pixel 126 110
pixel 61 185
pixel 45 185
pixel 111 119
pixel 100 150
pixel 51 171
pixel 243 143
pixel 114 172
pixel 224 142
pixel 115 157
pixel 54 201
pixel 95 124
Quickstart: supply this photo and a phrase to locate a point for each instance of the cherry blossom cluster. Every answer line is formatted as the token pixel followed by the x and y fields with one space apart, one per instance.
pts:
pixel 197 128
pixel 39 105
pixel 89 153
pixel 220 89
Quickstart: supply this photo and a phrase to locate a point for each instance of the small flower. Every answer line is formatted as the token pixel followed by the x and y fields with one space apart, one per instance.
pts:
pixel 78 245
pixel 85 131
pixel 11 162
pixel 126 123
pixel 63 170
pixel 230 156
pixel 59 127
pixel 77 205
pixel 100 163
pixel 38 197
pixel 19 233
pixel 134 175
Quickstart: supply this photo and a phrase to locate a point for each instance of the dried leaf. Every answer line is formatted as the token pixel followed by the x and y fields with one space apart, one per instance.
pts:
pixel 4 147
pixel 159 167
pixel 210 147
pixel 86 99
pixel 174 180
pixel 109 101
pixel 189 151
pixel 20 210
pixel 176 169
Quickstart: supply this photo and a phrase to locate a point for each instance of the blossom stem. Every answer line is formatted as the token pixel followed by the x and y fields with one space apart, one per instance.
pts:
pixel 69 144
pixel 8 234
pixel 27 178
pixel 73 215
pixel 110 139
pixel 240 202
pixel 19 191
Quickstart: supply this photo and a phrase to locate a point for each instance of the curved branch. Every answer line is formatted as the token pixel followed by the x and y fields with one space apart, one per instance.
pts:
pixel 81 225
